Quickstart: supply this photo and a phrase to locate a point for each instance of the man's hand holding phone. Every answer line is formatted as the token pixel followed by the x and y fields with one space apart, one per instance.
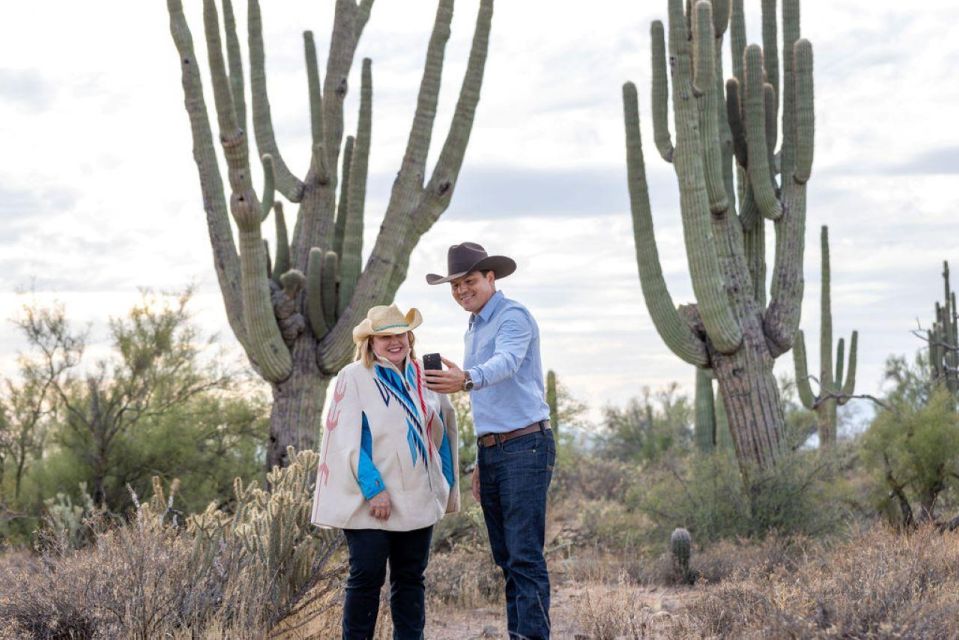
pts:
pixel 450 380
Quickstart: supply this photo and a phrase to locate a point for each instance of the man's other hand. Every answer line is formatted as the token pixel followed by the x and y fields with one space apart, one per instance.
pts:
pixel 449 380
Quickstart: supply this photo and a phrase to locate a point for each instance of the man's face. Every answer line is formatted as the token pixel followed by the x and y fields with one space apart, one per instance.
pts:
pixel 473 290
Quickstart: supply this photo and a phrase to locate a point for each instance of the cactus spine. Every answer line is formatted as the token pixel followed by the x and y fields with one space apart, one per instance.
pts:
pixel 297 331
pixel 731 329
pixel 833 390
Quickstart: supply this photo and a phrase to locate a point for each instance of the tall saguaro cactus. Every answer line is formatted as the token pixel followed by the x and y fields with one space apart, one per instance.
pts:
pixel 294 318
pixel 731 329
pixel 833 390
pixel 943 339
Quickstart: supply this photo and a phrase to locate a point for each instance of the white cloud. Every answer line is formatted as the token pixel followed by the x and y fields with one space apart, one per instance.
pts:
pixel 100 194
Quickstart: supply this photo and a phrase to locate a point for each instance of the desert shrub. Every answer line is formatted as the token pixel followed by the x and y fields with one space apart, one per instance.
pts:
pixel 240 571
pixel 465 527
pixel 877 585
pixel 464 577
pixel 705 494
pixel 592 477
pixel 612 613
pixel 913 453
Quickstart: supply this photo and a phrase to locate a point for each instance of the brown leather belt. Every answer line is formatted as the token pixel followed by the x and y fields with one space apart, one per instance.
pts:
pixel 491 439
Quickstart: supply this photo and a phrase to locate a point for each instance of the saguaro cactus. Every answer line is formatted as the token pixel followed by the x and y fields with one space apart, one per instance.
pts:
pixel 731 329
pixel 680 547
pixel 943 338
pixel 552 400
pixel 833 390
pixel 296 325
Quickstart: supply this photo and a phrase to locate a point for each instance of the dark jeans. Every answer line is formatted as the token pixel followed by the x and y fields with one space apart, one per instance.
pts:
pixel 370 549
pixel 514 478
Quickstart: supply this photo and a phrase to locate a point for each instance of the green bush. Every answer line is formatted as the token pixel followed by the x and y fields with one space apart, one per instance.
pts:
pixel 913 453
pixel 705 494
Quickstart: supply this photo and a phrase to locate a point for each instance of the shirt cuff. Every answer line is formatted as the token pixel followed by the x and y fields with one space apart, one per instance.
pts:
pixel 477 377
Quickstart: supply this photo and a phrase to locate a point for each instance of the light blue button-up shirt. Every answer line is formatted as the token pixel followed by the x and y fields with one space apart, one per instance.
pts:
pixel 502 357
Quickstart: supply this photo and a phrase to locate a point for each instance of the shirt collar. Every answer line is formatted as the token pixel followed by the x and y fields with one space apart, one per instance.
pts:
pixel 489 308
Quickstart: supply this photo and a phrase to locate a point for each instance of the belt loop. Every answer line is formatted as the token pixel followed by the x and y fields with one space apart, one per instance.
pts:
pixel 542 426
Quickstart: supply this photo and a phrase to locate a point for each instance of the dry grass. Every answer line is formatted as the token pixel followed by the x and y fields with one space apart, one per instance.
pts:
pixel 879 584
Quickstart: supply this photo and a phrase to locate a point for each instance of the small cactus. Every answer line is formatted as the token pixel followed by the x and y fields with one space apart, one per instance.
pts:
pixel 552 401
pixel 680 546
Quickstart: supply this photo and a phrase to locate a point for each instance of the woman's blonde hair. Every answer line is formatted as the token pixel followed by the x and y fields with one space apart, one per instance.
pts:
pixel 364 350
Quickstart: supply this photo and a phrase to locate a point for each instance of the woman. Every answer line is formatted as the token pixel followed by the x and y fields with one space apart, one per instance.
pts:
pixel 387 472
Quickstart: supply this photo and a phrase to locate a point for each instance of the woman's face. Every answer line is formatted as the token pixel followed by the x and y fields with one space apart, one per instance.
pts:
pixel 393 348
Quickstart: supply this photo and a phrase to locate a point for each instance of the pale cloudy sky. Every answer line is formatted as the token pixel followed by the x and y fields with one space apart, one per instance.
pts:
pixel 99 194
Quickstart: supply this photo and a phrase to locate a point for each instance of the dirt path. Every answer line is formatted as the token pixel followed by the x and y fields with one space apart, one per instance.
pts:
pixel 566 612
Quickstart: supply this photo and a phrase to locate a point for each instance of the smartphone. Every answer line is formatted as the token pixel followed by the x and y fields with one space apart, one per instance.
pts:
pixel 431 361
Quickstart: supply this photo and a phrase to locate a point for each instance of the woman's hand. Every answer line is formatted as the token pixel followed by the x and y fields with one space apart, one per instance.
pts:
pixel 380 505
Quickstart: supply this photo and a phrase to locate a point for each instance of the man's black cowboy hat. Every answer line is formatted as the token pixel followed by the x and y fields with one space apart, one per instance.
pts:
pixel 469 256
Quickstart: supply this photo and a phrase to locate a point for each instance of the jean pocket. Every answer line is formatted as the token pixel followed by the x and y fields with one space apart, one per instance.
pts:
pixel 527 445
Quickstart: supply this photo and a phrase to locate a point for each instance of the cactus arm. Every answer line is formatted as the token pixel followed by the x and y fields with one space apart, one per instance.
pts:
pixel 770 43
pixel 701 251
pixel 705 425
pixel 331 283
pixel 720 17
pixel 435 198
pixel 413 169
pixel 734 115
pixel 806 395
pixel 781 319
pixel 266 346
pixel 805 115
pixel 351 256
pixel 222 92
pixel 315 289
pixel 343 207
pixel 760 176
pixel 769 110
pixel 408 216
pixel 235 64
pixel 314 88
pixel 704 84
pixel 789 87
pixel 825 307
pixel 282 262
pixel 840 361
pixel 674 331
pixel 660 86
pixel 849 386
pixel 754 246
pixel 439 190
pixel 737 38
pixel 225 258
pixel 269 187
pixel 288 184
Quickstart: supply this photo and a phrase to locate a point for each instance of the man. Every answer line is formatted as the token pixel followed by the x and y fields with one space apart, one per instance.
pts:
pixel 515 454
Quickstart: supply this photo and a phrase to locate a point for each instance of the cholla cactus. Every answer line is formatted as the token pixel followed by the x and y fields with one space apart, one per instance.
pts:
pixel 69 525
pixel 731 329
pixel 833 390
pixel 268 538
pixel 294 317
pixel 680 547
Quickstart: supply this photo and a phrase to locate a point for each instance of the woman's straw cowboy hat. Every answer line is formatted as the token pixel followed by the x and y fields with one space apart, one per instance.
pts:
pixel 469 256
pixel 386 321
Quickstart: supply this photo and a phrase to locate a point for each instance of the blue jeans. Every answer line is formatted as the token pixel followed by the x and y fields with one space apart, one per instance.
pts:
pixel 514 478
pixel 370 549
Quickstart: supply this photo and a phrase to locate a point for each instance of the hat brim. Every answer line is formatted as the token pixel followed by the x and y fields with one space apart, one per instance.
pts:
pixel 501 266
pixel 366 329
